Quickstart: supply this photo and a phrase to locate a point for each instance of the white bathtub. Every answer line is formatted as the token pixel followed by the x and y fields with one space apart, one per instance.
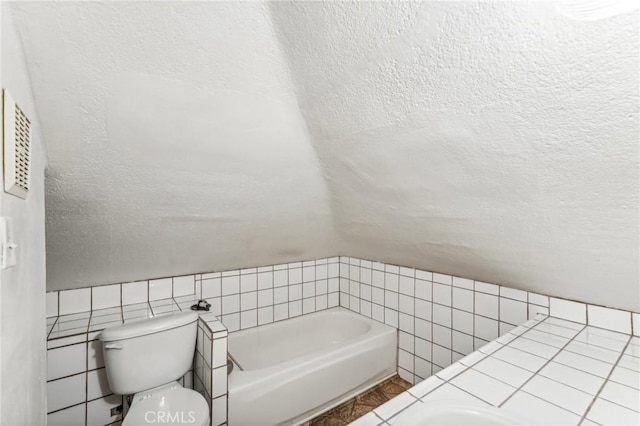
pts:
pixel 290 371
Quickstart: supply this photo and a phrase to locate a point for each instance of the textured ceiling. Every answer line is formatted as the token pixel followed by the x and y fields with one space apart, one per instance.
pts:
pixel 496 141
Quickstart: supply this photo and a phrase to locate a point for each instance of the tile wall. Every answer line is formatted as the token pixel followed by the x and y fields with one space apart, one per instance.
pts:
pixel 241 299
pixel 442 318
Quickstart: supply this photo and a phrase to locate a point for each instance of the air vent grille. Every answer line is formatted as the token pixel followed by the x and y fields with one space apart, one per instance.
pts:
pixel 17 148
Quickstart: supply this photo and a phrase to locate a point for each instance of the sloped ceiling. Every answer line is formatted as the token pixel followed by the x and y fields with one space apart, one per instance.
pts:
pixel 496 141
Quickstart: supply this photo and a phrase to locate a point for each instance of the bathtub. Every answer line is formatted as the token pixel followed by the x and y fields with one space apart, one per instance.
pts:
pixel 290 371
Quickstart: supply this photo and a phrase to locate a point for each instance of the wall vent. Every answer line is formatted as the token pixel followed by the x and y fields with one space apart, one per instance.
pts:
pixel 17 148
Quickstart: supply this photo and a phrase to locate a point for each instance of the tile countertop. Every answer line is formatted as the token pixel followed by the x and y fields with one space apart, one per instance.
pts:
pixel 548 371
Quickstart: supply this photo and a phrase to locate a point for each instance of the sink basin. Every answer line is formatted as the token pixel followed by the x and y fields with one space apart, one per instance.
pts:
pixel 432 413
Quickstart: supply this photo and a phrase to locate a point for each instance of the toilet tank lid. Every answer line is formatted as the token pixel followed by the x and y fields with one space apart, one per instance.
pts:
pixel 148 326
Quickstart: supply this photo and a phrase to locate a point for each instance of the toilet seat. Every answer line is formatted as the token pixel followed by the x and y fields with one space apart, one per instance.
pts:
pixel 168 405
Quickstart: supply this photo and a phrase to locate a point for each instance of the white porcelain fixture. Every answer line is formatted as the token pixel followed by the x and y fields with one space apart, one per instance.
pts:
pixel 452 414
pixel 145 358
pixel 290 371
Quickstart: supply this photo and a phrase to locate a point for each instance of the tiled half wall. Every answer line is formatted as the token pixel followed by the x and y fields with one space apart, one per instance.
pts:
pixel 440 319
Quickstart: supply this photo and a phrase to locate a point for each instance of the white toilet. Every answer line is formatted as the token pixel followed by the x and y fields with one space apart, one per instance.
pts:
pixel 145 358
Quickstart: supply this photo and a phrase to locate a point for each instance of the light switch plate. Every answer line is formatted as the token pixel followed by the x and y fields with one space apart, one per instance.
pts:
pixel 8 247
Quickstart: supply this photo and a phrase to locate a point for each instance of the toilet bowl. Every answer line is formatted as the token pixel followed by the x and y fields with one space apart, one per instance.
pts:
pixel 145 359
pixel 170 404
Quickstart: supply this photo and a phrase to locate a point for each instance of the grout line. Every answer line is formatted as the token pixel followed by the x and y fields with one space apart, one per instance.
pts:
pixel 606 380
pixel 543 365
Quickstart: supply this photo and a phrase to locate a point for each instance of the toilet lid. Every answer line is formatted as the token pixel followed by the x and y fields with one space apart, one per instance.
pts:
pixel 169 406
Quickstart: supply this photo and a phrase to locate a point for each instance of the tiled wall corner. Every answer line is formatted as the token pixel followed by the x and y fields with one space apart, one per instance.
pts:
pixel 210 367
pixel 442 318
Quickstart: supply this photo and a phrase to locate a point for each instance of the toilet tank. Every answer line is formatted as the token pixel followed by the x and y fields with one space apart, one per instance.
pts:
pixel 149 353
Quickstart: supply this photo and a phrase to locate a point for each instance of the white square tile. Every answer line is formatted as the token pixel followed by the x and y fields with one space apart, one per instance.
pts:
pixel 377 279
pixel 395 405
pixel 519 358
pixel 513 293
pixel 462 321
pixel 486 305
pixel 322 287
pixel 442 294
pixel 557 393
pixel 74 301
pixel 265 298
pixel 441 356
pixel 406 304
pixel 52 304
pixel 622 395
pixel 512 311
pixel 442 278
pixel 463 283
pixel 160 289
pixel 451 371
pixel 538 299
pixel 97 384
pixel 486 288
pixel 407 272
pixel 377 312
pixel 407 285
pixel 248 283
pixel 219 411
pixel 423 348
pixel 626 377
pixel 365 307
pixel 308 289
pixel 230 285
pixel 281 312
pixel 610 319
pixel 485 328
pixel 308 274
pixel 391 317
pixel 394 269
pixel 603 338
pixel 589 365
pixel 629 362
pixel 295 292
pixel 405 360
pixel 219 353
pixel 265 279
pixel 462 343
pixel 295 276
pixel 537 411
pixel 406 323
pixel 391 299
pixel 308 305
pixel 473 358
pixel 568 310
pixel 391 282
pixel 535 348
pixel 230 304
pixel 280 278
pixel 462 299
pixel 607 413
pixel 423 329
pixel 575 378
pixel 503 371
pixel 66 392
pixel 66 361
pixel 425 387
pixel 635 319
pixel 248 301
pixel 484 387
pixel 105 296
pixel 592 351
pixel 424 290
pixel 422 368
pixel 74 416
pixel 442 315
pixel 134 292
pixel 265 315
pixel 219 380
pixel 248 319
pixel 98 411
pixel 442 335
pixel 424 275
pixel 295 308
pixel 183 285
pixel 280 295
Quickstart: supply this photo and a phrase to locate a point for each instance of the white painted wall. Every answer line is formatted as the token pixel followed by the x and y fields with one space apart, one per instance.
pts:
pixel 176 143
pixel 493 140
pixel 497 141
pixel 22 299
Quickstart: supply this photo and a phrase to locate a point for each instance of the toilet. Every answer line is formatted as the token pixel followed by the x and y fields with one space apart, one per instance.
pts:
pixel 145 359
